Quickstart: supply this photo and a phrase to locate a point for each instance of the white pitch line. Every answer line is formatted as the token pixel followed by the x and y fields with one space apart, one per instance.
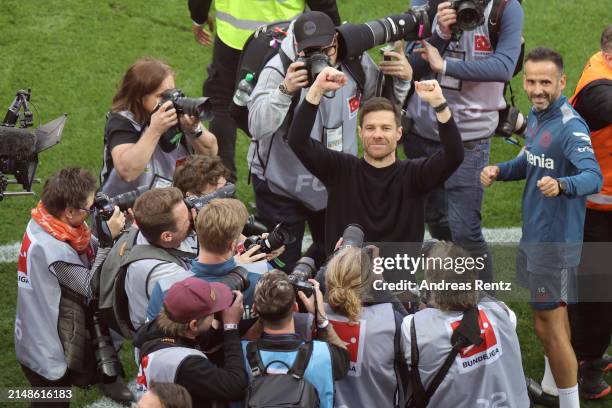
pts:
pixel 10 252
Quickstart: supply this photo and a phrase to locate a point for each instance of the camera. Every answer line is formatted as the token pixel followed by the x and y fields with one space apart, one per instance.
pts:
pixel 200 107
pixel 19 148
pixel 277 238
pixel 314 63
pixel 470 13
pixel 410 26
pixel 511 121
pixel 237 279
pixel 198 202
pixel 253 227
pixel 304 269
pixel 106 205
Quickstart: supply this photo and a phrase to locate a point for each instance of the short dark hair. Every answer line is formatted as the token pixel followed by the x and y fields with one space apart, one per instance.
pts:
pixel 171 395
pixel 380 104
pixel 141 79
pixel 606 39
pixel 153 212
pixel 197 172
pixel 69 187
pixel 274 299
pixel 540 54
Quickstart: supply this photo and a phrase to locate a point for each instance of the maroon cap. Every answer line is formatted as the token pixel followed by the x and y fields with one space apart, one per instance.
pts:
pixel 313 29
pixel 194 298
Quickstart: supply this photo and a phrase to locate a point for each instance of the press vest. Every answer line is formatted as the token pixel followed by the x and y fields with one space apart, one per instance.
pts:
pixel 161 163
pixel 475 105
pixel 162 365
pixel 236 20
pixel 335 127
pixel 371 380
pixel 489 375
pixel 601 139
pixel 37 342
pixel 318 372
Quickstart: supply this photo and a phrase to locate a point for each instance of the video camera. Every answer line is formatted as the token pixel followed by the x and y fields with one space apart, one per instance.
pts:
pixel 19 147
pixel 277 238
pixel 410 26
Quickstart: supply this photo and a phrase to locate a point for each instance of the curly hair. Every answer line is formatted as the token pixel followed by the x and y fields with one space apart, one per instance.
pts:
pixel 198 172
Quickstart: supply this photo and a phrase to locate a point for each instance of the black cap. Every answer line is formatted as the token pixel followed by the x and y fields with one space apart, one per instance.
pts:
pixel 313 29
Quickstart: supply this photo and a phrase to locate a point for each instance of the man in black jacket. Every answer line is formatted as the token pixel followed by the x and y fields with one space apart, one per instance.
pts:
pixel 234 22
pixel 170 346
pixel 384 195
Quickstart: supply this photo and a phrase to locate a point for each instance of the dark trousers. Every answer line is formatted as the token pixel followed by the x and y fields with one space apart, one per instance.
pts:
pixel 36 380
pixel 219 86
pixel 591 321
pixel 273 208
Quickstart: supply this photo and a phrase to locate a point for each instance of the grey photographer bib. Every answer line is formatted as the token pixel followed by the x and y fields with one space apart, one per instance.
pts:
pixel 474 104
pixel 37 341
pixel 335 126
pixel 161 164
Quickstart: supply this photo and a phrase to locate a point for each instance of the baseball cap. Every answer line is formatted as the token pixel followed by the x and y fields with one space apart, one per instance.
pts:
pixel 313 29
pixel 194 298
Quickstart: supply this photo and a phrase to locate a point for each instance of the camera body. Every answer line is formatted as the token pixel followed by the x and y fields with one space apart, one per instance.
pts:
pixel 314 63
pixel 470 13
pixel 198 202
pixel 277 238
pixel 511 121
pixel 200 107
pixel 304 269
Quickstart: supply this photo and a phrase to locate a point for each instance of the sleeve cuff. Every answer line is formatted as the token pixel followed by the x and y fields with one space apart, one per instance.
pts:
pixel 441 34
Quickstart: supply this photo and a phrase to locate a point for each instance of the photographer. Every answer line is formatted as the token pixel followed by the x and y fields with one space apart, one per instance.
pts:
pixel 218 226
pixel 472 66
pixel 172 345
pixel 275 304
pixel 140 138
pixel 163 225
pixel 234 22
pixel 284 189
pixel 382 194
pixel 372 332
pixel 57 261
pixel 477 338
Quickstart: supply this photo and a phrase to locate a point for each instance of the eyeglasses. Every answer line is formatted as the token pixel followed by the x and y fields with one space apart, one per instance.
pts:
pixel 89 210
pixel 329 51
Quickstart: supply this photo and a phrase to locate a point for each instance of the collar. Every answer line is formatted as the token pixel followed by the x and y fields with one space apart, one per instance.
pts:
pixel 552 110
pixel 218 269
pixel 280 342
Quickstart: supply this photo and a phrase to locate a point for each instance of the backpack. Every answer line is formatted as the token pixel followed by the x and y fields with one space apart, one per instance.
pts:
pixel 261 47
pixel 280 390
pixel 110 284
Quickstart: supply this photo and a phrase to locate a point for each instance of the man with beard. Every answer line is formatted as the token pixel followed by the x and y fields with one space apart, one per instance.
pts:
pixel 560 171
pixel 384 195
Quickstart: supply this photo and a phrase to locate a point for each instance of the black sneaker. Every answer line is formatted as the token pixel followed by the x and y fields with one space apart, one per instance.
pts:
pixel 591 383
pixel 538 396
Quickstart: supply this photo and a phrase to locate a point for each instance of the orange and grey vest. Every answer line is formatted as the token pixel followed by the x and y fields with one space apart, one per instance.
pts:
pixel 601 139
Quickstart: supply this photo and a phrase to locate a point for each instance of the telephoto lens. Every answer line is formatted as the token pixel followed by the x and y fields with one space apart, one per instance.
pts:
pixel 237 279
pixel 352 236
pixel 200 107
pixel 304 269
pixel 198 202
pixel 106 205
pixel 277 238
pixel 107 360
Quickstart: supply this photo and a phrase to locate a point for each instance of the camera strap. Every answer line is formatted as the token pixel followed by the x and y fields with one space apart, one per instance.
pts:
pixel 466 334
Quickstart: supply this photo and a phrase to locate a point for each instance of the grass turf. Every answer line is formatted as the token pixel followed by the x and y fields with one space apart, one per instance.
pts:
pixel 73 54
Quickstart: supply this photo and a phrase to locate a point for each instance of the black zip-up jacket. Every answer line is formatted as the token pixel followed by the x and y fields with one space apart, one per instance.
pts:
pixel 204 381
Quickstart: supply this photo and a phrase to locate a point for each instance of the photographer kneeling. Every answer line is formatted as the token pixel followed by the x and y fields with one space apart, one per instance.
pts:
pixel 466 349
pixel 171 346
pixel 57 261
pixel 141 138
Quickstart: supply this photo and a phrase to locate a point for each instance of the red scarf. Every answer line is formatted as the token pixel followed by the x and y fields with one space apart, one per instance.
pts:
pixel 77 237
